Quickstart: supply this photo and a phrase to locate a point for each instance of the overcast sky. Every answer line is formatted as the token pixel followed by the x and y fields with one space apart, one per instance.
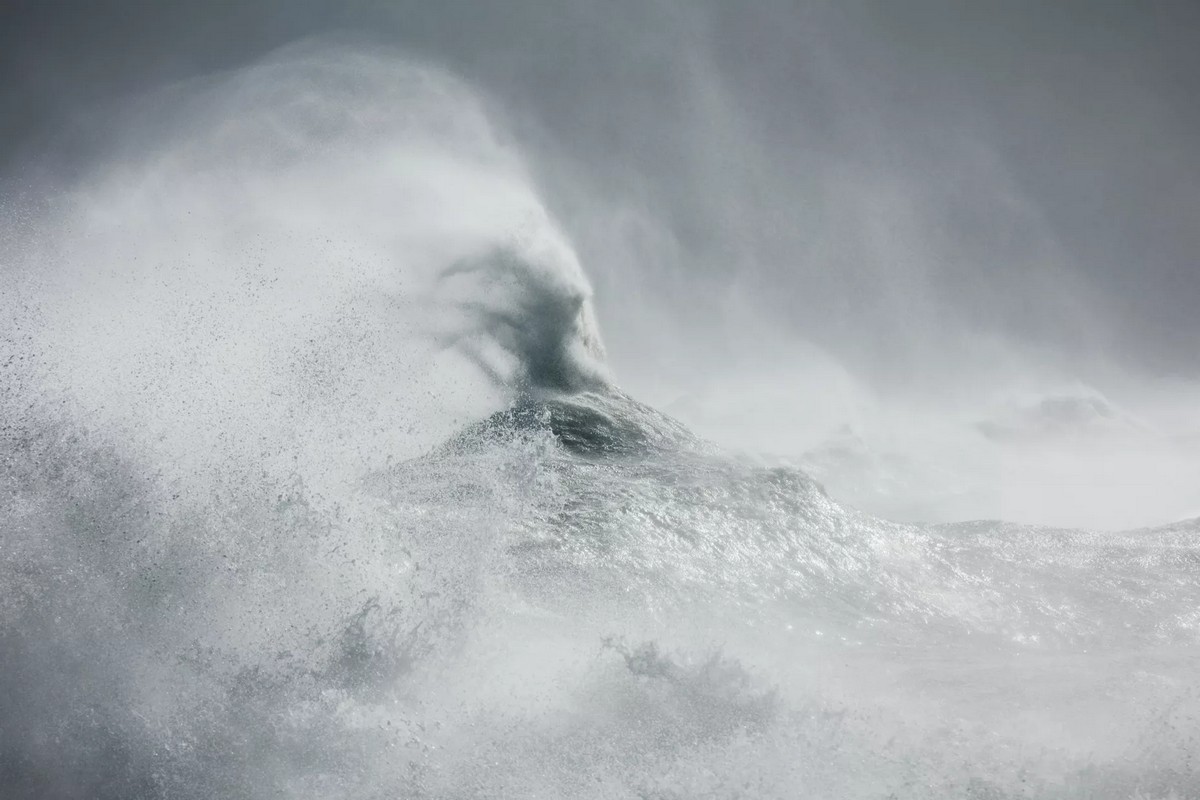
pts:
pixel 890 181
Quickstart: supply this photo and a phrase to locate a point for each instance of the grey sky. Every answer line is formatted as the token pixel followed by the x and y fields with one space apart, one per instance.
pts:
pixel 889 180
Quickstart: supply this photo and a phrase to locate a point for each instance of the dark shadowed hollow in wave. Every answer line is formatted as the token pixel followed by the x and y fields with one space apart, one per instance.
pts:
pixel 317 482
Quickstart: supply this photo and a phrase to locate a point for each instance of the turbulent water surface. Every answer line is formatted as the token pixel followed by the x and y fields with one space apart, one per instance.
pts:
pixel 286 519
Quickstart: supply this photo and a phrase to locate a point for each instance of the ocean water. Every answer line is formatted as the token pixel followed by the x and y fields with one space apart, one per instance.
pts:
pixel 316 485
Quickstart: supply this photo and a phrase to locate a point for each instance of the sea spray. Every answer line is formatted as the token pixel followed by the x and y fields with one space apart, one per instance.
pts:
pixel 316 485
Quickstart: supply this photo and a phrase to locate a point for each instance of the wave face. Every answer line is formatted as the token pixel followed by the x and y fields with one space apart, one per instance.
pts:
pixel 263 540
pixel 575 598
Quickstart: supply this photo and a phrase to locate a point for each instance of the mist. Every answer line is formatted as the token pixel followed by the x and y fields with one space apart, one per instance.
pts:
pixel 905 224
pixel 664 399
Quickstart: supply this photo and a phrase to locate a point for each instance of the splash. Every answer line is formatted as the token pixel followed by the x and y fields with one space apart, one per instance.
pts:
pixel 332 257
pixel 316 486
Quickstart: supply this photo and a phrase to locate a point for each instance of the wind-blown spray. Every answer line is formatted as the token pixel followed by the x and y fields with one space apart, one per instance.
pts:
pixel 258 542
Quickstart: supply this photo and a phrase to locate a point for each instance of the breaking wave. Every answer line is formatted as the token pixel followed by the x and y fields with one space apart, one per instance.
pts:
pixel 316 485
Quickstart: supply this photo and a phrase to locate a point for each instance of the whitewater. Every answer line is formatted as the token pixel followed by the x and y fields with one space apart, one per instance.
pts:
pixel 317 484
